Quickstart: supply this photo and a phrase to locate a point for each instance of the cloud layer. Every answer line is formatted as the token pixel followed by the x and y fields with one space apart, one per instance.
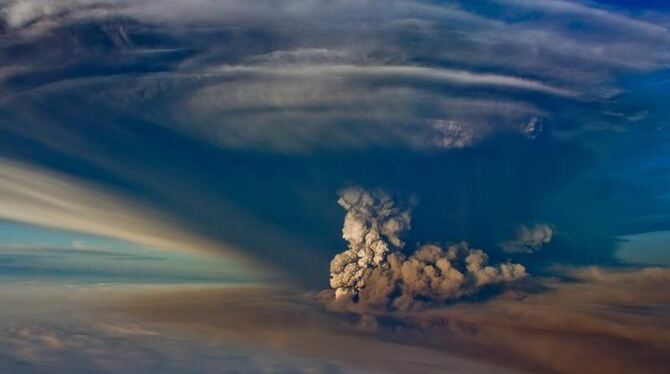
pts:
pixel 612 314
pixel 73 328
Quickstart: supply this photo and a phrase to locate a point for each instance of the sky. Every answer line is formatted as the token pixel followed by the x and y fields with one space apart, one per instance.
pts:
pixel 409 156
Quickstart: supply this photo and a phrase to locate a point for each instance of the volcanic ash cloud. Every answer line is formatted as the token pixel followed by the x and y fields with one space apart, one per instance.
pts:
pixel 529 239
pixel 374 272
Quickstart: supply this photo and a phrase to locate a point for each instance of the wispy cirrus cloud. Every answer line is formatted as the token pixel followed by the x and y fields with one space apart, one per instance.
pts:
pixel 40 197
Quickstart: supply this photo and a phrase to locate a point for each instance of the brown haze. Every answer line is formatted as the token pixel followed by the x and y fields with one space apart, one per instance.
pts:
pixel 592 321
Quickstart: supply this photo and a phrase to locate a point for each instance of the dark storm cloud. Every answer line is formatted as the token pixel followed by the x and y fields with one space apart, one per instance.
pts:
pixel 243 120
pixel 364 74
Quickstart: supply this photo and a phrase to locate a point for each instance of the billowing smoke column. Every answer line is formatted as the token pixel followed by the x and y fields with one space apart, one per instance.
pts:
pixel 374 271
pixel 372 227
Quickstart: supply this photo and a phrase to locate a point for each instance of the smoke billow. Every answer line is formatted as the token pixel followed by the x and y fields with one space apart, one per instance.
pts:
pixel 375 272
pixel 529 239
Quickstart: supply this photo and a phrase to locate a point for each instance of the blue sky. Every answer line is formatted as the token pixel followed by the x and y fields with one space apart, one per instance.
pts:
pixel 32 253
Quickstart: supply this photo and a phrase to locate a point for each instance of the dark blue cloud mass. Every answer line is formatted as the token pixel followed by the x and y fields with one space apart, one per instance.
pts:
pixel 230 126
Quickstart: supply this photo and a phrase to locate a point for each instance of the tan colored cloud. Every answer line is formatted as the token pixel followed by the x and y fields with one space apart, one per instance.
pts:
pixel 600 321
pixel 288 321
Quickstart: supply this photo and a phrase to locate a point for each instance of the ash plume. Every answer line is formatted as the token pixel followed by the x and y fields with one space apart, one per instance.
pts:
pixel 372 227
pixel 375 272
pixel 529 239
